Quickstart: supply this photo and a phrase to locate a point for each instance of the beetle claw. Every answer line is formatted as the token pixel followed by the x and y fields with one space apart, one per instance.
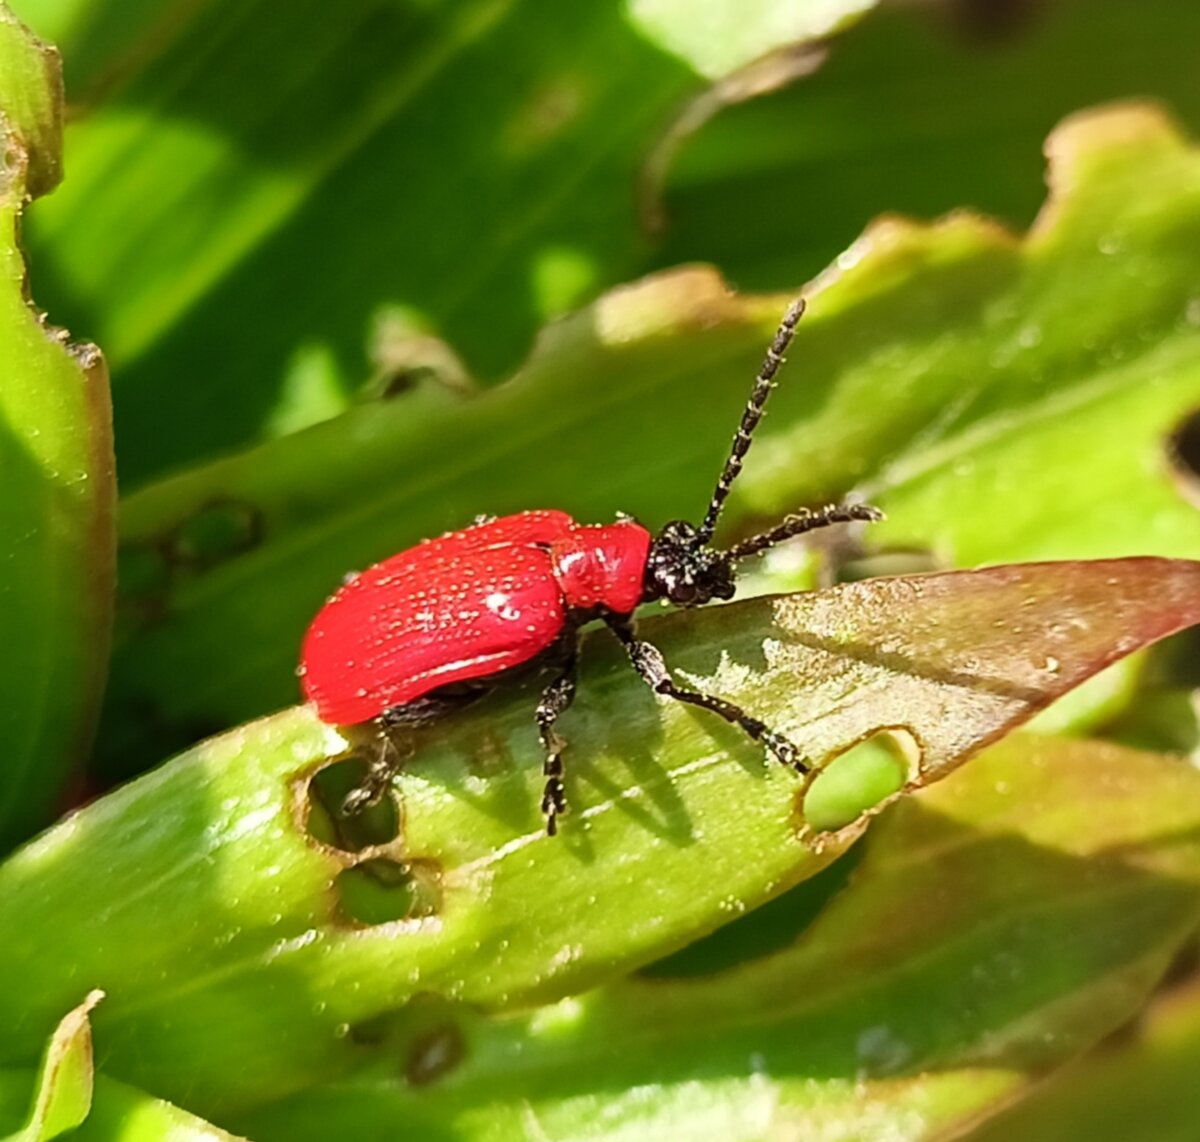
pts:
pixel 554 803
pixel 786 752
pixel 359 800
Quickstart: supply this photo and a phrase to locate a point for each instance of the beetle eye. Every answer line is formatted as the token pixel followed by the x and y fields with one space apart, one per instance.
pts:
pixel 684 592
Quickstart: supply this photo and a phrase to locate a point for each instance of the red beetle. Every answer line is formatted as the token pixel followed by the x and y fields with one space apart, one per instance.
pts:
pixel 415 636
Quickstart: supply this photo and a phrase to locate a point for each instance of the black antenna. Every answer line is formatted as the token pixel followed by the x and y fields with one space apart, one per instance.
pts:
pixel 750 418
pixel 803 521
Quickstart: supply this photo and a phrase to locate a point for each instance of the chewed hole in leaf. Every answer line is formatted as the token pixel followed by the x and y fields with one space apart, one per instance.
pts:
pixel 1183 455
pixel 376 825
pixel 381 890
pixel 860 778
pixel 216 532
pixel 435 1053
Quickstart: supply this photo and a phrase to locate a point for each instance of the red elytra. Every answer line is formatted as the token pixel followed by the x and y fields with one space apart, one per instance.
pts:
pixel 465 606
pixel 414 636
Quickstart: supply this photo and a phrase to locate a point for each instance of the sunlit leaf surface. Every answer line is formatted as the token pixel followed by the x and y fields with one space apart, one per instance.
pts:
pixel 255 958
pixel 997 924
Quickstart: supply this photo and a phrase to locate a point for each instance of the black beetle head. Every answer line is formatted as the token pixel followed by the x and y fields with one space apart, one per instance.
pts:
pixel 684 570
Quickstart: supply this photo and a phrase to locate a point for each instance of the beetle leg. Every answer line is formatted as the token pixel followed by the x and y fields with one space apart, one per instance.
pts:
pixel 648 661
pixel 380 771
pixel 390 756
pixel 555 699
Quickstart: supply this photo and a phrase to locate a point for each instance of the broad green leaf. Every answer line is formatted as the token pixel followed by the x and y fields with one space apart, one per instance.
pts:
pixel 997 924
pixel 1001 398
pixel 255 958
pixel 250 198
pixel 1141 1086
pixel 1066 362
pixel 56 470
pixel 63 1087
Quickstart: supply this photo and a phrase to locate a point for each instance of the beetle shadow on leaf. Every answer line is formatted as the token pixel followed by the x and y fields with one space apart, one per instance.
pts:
pixel 605 742
pixel 698 663
pixel 619 755
pixel 486 750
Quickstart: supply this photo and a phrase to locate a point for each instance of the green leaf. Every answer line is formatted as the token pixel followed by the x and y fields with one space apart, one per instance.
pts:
pixel 997 924
pixel 293 185
pixel 220 923
pixel 56 469
pixel 1142 1085
pixel 31 106
pixel 1001 398
pixel 63 1087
